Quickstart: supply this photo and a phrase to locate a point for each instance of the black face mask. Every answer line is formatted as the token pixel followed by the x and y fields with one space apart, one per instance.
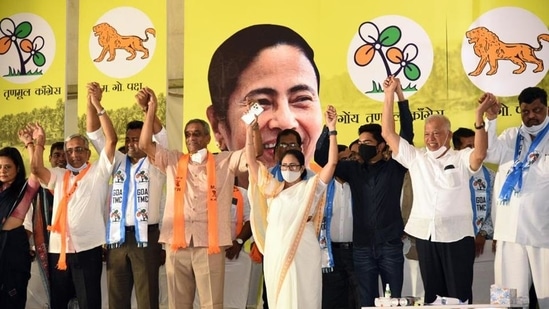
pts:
pixel 367 152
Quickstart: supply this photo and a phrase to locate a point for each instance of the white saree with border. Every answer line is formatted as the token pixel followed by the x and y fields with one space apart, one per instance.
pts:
pixel 286 223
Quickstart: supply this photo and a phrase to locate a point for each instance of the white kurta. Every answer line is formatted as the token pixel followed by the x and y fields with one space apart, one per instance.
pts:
pixel 521 227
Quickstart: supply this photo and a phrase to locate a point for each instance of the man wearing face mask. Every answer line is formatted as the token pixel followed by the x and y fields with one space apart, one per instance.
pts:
pixel 196 225
pixel 522 190
pixel 441 217
pixel 376 186
pixel 80 192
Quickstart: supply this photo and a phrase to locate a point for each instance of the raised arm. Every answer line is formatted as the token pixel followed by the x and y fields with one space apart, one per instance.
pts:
pixel 387 118
pixel 251 150
pixel 25 136
pixel 327 171
pixel 487 102
pixel 97 114
pixel 258 141
pixel 494 143
pixel 406 119
pixel 37 151
pixel 145 140
pixel 142 98
pixel 322 147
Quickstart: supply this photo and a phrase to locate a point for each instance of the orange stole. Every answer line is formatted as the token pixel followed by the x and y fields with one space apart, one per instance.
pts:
pixel 179 212
pixel 60 224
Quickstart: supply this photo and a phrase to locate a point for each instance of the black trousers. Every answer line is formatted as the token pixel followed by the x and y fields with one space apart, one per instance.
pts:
pixel 447 268
pixel 339 287
pixel 15 264
pixel 82 279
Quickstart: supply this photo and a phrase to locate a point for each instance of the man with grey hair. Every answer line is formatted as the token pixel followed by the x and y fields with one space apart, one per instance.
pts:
pixel 80 192
pixel 196 226
pixel 440 218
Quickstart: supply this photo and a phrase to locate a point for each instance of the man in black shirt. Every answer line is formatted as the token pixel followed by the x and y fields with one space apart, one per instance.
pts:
pixel 376 187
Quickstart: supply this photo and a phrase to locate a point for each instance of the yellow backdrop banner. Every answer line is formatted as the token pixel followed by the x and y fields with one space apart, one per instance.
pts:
pixel 32 67
pixel 122 46
pixel 431 46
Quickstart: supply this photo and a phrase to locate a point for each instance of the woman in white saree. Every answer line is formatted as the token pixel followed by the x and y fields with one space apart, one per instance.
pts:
pixel 285 220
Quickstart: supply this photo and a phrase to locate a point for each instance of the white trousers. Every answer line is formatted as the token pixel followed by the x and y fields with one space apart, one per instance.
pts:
pixel 517 266
pixel 237 281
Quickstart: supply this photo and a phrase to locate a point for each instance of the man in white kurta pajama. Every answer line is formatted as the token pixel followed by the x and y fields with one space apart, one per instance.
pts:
pixel 521 193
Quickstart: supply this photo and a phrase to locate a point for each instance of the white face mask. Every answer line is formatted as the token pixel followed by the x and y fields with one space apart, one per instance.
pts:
pixel 534 130
pixel 74 169
pixel 435 154
pixel 290 176
pixel 199 156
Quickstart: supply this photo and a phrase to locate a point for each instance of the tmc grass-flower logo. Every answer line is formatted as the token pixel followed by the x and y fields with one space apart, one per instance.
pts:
pixel 17 37
pixel 383 44
pixel 26 40
pixel 381 47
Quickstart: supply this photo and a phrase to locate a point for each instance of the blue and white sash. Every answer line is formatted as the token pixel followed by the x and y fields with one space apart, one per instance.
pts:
pixel 116 225
pixel 481 195
pixel 325 238
pixel 513 181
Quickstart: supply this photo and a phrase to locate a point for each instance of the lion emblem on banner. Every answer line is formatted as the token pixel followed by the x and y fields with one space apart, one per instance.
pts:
pixel 110 41
pixel 490 49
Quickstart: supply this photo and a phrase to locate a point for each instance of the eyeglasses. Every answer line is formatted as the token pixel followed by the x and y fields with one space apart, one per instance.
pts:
pixel 291 167
pixel 76 150
pixel 290 145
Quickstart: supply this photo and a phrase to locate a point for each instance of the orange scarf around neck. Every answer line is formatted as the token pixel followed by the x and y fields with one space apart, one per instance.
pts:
pixel 239 209
pixel 60 223
pixel 179 205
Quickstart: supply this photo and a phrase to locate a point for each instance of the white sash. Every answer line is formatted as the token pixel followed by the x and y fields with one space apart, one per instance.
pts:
pixel 116 225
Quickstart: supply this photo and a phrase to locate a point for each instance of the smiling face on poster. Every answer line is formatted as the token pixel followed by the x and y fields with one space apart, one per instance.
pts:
pixel 273 66
pixel 122 47
pixel 389 45
pixel 503 50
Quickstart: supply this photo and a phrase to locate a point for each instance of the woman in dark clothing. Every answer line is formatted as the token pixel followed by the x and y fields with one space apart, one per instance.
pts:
pixel 16 194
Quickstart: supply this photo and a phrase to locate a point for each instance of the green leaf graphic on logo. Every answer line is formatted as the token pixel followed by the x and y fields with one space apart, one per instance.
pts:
pixel 412 72
pixel 39 59
pixel 390 36
pixel 23 30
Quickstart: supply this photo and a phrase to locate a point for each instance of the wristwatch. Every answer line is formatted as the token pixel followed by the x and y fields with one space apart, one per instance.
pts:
pixel 481 126
pixel 483 233
pixel 239 241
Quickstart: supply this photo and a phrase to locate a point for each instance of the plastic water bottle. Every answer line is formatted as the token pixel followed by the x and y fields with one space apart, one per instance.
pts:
pixel 387 291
